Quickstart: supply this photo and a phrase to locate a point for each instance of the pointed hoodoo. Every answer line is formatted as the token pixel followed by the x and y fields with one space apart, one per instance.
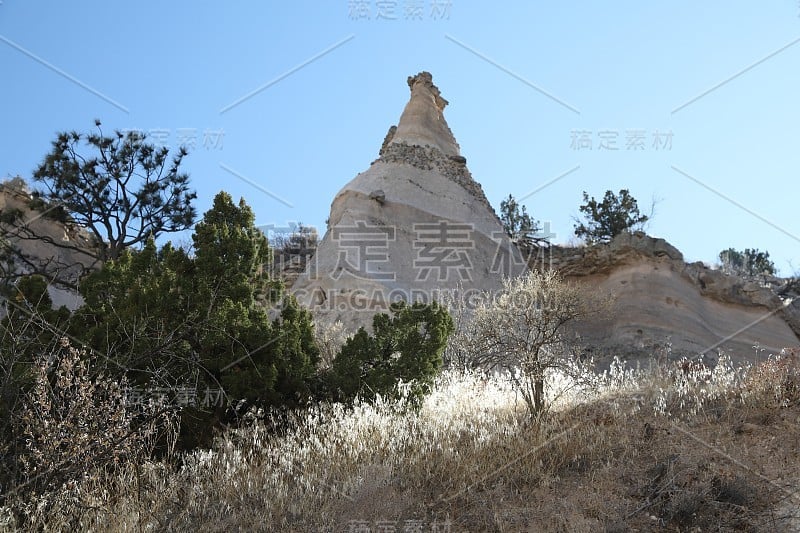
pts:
pixel 422 122
pixel 414 226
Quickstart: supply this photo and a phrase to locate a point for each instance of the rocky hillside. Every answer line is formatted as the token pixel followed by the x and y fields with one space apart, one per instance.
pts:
pixel 416 223
pixel 666 306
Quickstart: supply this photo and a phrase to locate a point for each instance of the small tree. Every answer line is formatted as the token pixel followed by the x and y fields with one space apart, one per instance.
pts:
pixel 296 354
pixel 610 217
pixel 521 331
pixel 749 263
pixel 458 354
pixel 232 255
pixel 140 309
pixel 174 321
pixel 292 251
pixel 407 346
pixel 302 238
pixel 518 225
pixel 121 189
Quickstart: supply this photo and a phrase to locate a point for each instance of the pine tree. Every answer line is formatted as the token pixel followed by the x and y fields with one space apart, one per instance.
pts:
pixel 139 310
pixel 174 321
pixel 231 261
pixel 121 189
pixel 749 263
pixel 608 218
pixel 405 347
pixel 518 224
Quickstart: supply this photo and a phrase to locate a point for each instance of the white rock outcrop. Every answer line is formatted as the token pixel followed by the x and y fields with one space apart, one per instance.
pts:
pixel 412 226
pixel 58 248
pixel 663 304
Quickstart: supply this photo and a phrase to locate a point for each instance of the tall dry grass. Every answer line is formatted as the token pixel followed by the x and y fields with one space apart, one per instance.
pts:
pixel 679 447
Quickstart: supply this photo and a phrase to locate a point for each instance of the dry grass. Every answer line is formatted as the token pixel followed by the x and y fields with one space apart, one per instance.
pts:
pixel 679 449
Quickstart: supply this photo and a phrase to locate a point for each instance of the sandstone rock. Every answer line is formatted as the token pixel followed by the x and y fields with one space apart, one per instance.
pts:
pixel 665 305
pixel 387 139
pixel 378 195
pixel 413 226
pixel 65 247
pixel 422 122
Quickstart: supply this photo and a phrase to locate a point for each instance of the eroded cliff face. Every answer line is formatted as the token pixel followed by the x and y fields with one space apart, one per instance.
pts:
pixel 663 304
pixel 62 248
pixel 416 225
pixel 411 226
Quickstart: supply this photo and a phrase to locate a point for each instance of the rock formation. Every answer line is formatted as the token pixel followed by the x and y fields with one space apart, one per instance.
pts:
pixel 416 225
pixel 60 247
pixel 664 304
pixel 413 225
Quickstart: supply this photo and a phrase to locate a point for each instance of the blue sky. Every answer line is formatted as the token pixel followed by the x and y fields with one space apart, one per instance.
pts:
pixel 530 85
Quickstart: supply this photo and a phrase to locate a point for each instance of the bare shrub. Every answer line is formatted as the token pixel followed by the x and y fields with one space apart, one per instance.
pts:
pixel 458 353
pixel 776 380
pixel 77 430
pixel 330 337
pixel 521 331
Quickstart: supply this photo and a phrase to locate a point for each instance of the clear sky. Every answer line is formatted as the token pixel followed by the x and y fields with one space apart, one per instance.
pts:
pixel 285 102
